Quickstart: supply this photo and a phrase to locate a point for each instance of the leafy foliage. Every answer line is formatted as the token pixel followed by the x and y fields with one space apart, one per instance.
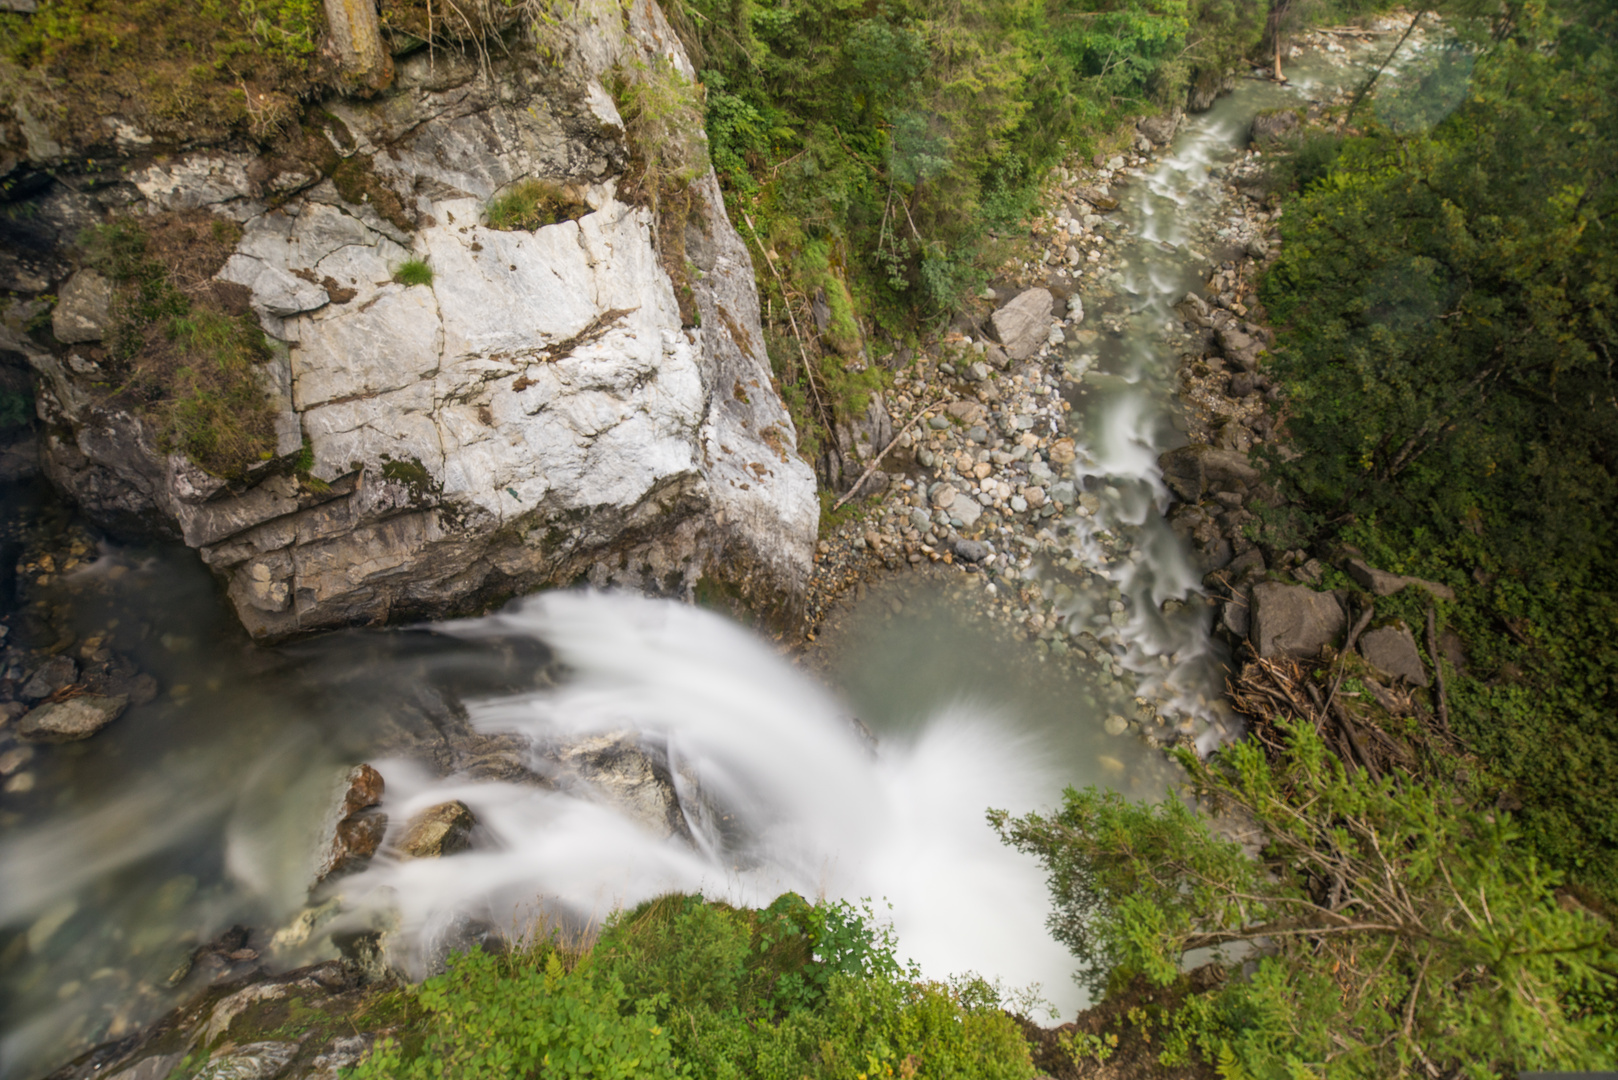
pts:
pixel 1398 928
pixel 682 987
pixel 1448 334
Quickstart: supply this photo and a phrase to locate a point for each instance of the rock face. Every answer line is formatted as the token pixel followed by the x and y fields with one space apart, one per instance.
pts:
pixel 1024 323
pixel 549 407
pixel 84 310
pixel 1293 621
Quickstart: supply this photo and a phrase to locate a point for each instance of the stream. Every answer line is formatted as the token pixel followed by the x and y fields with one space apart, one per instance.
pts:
pixel 207 807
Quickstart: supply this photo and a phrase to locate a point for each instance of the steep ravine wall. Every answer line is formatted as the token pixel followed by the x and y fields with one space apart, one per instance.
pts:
pixel 539 412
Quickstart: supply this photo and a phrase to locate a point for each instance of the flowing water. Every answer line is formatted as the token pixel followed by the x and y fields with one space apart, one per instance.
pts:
pixel 206 807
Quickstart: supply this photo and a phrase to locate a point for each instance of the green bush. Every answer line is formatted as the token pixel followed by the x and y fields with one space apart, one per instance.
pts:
pixel 413 271
pixel 489 1017
pixel 1447 296
pixel 683 987
pixel 1398 926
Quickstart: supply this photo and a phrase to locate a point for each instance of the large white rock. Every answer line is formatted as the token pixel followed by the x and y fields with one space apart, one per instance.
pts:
pixel 537 413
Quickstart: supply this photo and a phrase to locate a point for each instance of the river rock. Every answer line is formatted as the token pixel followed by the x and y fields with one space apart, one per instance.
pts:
pixel 71 720
pixel 83 311
pixel 552 406
pixel 1160 129
pixel 974 551
pixel 1192 472
pixel 1392 651
pixel 1293 621
pixel 1024 323
pixel 634 777
pixel 438 831
pixel 1272 126
pixel 54 674
pixel 1381 583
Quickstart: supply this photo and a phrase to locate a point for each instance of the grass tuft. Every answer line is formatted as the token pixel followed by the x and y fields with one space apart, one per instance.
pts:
pixel 530 205
pixel 413 271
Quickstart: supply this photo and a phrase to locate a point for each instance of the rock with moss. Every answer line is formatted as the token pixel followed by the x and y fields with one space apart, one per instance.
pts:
pixel 460 366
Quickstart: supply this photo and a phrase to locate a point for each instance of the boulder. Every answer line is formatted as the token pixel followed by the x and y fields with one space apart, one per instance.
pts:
pixel 71 720
pixel 1392 651
pixel 83 311
pixel 633 777
pixel 255 1061
pixel 1024 323
pixel 360 827
pixel 1192 472
pixel 1271 126
pixel 1381 583
pixel 438 831
pixel 1293 621
pixel 1160 129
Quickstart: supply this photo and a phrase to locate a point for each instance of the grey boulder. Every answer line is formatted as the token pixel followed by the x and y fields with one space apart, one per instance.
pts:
pixel 83 311
pixel 1392 651
pixel 1381 583
pixel 1293 621
pixel 1024 323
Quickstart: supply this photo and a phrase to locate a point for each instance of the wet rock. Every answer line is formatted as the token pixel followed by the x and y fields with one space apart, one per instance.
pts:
pixel 438 831
pixel 341 1053
pixel 1193 471
pixel 71 720
pixel 971 550
pixel 255 1061
pixel 15 758
pixel 358 836
pixel 53 675
pixel 1024 324
pixel 1160 129
pixel 1392 651
pixel 83 312
pixel 1381 583
pixel 365 789
pixel 156 1067
pixel 1293 621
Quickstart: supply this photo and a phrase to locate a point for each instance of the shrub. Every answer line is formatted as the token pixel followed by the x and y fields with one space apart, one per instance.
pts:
pixel 413 271
pixel 530 205
pixel 1400 928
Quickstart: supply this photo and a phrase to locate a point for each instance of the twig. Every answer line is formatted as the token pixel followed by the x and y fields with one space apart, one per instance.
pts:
pixel 808 368
pixel 838 505
pixel 1438 670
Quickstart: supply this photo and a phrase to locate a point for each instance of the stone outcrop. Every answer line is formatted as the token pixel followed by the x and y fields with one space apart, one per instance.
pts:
pixel 551 407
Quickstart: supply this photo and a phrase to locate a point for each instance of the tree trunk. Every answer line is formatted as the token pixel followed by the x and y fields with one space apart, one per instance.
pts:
pixel 356 42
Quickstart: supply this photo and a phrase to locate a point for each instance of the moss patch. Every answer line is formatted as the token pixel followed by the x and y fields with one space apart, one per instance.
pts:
pixel 530 205
pixel 181 72
pixel 186 346
pixel 357 181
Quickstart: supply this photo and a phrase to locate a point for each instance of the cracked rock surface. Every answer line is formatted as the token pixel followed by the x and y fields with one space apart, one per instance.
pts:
pixel 538 413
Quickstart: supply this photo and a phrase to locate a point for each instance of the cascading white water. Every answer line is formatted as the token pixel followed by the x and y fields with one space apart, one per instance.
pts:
pixel 812 807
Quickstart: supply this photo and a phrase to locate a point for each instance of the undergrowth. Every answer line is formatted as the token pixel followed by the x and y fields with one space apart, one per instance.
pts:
pixel 683 987
pixel 184 347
